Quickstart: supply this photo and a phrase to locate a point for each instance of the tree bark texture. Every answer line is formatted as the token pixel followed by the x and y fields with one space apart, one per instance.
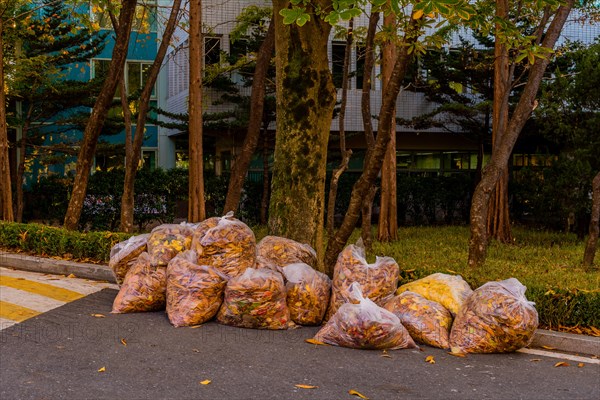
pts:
pixel 388 215
pixel 126 212
pixel 98 115
pixel 346 154
pixel 264 203
pixel 374 161
pixel 257 104
pixel 305 101
pixel 132 160
pixel 498 220
pixel 491 174
pixel 367 207
pixel 592 242
pixel 20 203
pixel 367 212
pixel 5 184
pixel 196 210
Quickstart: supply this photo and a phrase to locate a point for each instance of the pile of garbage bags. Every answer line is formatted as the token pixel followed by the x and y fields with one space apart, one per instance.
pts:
pixel 216 270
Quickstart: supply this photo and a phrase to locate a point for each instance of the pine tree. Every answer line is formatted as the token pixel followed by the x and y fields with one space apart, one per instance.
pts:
pixel 52 44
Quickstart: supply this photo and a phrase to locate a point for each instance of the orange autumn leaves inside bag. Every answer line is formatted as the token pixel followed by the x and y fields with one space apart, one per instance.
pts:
pixel 496 318
pixel 194 292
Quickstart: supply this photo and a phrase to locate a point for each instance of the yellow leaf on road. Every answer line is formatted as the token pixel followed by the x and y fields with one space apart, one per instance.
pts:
pixel 124 342
pixel 430 359
pixel 103 369
pixel 355 393
pixel 314 341
pixel 580 365
pixel 385 354
pixel 535 359
pixel 549 348
pixel 71 276
pixel 561 364
pixel 98 315
pixel 206 382
pixel 306 386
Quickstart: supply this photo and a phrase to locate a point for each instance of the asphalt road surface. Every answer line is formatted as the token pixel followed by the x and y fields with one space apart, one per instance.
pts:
pixel 69 353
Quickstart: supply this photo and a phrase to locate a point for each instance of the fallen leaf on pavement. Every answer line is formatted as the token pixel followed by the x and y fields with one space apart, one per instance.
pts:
pixel 70 276
pixel 124 342
pixel 196 350
pixel 103 369
pixel 206 382
pixel 98 315
pixel 561 364
pixel 580 365
pixel 456 352
pixel 355 393
pixel 549 347
pixel 430 359
pixel 535 359
pixel 306 386
pixel 314 341
pixel 385 354
pixel 195 326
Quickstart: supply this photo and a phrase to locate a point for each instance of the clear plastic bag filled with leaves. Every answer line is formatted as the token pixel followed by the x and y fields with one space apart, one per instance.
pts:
pixel 194 292
pixel 255 299
pixel 229 246
pixel 144 287
pixel 281 251
pixel 451 291
pixel 427 322
pixel 167 240
pixel 378 281
pixel 362 324
pixel 496 318
pixel 308 293
pixel 124 254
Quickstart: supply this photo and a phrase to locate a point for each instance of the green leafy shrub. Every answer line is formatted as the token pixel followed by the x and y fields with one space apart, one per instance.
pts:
pixel 46 240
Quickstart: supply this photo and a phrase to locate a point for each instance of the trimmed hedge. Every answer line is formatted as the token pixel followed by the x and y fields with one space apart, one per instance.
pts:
pixel 46 240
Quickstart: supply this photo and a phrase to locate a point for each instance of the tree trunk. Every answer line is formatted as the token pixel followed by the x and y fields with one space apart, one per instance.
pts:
pixel 5 183
pixel 498 220
pixel 196 210
pixel 98 115
pixel 592 242
pixel 257 102
pixel 492 172
pixel 337 173
pixel 21 168
pixel 264 204
pixel 132 160
pixel 367 207
pixel 305 101
pixel 367 212
pixel 373 163
pixel 126 211
pixel 388 213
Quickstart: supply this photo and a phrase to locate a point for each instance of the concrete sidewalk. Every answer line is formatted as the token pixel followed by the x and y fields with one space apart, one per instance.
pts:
pixel 543 339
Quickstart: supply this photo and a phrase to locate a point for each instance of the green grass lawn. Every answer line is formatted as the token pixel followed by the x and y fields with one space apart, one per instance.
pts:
pixel 542 259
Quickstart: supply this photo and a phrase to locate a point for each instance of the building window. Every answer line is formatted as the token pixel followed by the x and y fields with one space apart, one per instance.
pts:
pixel 148 160
pixel 338 51
pixel 212 51
pixel 136 75
pixel 144 19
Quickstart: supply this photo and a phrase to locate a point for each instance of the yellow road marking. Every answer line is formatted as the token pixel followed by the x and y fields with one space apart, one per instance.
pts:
pixel 43 289
pixel 15 312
